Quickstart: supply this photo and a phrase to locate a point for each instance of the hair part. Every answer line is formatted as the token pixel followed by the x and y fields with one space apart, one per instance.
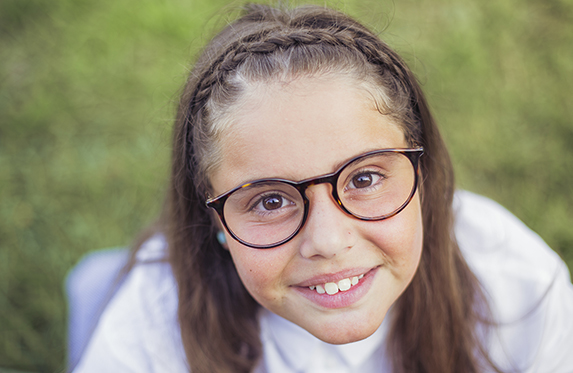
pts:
pixel 436 318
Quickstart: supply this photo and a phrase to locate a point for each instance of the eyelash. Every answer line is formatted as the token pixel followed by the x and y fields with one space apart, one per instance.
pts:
pixel 259 200
pixel 364 171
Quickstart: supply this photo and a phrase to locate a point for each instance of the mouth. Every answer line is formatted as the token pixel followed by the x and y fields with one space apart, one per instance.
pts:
pixel 340 290
pixel 332 288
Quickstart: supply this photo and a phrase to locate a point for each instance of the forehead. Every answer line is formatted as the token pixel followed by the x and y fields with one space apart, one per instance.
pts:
pixel 300 129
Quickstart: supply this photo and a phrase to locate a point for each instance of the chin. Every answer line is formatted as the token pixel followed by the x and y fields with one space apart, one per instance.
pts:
pixel 343 335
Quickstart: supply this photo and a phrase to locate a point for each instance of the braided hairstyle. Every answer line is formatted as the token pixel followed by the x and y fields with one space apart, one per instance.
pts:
pixel 435 319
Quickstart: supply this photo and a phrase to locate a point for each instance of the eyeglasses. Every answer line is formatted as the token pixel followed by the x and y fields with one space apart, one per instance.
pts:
pixel 267 213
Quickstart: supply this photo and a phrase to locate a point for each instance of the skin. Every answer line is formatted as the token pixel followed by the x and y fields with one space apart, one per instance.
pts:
pixel 300 129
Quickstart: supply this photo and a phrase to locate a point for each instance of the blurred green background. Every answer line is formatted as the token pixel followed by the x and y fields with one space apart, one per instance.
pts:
pixel 86 104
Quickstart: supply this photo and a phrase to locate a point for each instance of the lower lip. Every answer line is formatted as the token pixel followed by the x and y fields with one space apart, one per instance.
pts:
pixel 341 299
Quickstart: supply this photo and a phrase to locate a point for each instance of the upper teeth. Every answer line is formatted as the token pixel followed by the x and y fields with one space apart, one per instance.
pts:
pixel 332 288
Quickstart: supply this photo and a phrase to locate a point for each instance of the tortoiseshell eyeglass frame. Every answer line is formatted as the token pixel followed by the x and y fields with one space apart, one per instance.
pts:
pixel 217 203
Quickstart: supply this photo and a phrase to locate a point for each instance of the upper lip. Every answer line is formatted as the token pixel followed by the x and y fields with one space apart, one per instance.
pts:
pixel 334 277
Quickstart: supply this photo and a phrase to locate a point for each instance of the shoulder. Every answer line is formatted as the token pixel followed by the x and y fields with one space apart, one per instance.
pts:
pixel 493 240
pixel 527 284
pixel 138 331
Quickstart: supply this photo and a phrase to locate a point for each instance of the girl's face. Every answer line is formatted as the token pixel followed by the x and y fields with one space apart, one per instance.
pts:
pixel 298 130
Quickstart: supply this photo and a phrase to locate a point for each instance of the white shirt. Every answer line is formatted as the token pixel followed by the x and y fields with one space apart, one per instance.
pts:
pixel 528 285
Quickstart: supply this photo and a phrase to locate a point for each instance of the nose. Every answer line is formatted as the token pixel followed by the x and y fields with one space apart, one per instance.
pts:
pixel 328 231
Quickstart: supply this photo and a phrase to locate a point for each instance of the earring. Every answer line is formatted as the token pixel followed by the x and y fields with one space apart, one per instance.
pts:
pixel 221 238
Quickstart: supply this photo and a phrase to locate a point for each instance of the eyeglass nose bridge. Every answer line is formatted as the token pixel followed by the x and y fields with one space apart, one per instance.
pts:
pixel 302 186
pixel 324 179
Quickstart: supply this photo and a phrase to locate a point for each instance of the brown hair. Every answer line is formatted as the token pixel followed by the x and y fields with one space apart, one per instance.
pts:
pixel 436 318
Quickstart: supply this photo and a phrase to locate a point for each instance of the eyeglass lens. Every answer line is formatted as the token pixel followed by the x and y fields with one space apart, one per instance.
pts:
pixel 371 187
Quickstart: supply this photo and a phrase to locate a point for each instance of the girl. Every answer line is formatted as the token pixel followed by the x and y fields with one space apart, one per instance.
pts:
pixel 312 226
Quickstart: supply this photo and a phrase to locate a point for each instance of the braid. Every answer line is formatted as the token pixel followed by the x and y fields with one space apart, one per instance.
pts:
pixel 280 40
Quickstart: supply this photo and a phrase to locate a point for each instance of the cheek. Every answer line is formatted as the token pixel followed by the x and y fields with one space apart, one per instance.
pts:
pixel 261 271
pixel 250 266
pixel 400 239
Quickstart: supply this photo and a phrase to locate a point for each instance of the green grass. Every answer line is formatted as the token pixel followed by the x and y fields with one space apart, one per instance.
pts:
pixel 86 105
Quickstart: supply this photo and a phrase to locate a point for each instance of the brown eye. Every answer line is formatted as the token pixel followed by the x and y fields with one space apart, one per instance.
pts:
pixel 362 180
pixel 272 202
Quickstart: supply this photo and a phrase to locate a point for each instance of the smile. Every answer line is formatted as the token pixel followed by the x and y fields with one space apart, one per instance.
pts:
pixel 334 291
pixel 332 288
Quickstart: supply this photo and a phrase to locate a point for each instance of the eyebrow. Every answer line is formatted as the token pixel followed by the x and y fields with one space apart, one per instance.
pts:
pixel 342 163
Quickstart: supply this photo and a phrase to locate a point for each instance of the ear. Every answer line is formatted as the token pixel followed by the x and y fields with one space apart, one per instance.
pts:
pixel 222 239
